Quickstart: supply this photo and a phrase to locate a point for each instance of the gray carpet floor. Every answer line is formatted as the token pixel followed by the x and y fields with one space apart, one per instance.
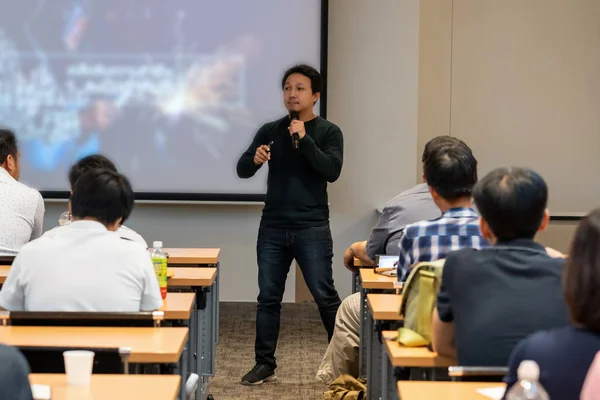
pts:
pixel 302 343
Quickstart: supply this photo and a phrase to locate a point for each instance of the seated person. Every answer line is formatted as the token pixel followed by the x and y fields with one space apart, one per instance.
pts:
pixel 450 170
pixel 21 207
pixel 412 205
pixel 491 298
pixel 99 161
pixel 86 266
pixel 565 354
pixel 14 375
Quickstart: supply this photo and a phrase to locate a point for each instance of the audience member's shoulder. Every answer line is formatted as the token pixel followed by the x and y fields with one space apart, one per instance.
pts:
pixel 325 125
pixel 415 191
pixel 463 256
pixel 130 247
pixel 543 341
pixel 129 234
pixel 28 191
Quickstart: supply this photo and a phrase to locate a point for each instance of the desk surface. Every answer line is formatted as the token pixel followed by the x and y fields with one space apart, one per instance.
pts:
pixel 186 276
pixel 414 390
pixel 182 276
pixel 192 256
pixel 384 306
pixel 148 345
pixel 112 387
pixel 371 280
pixel 178 305
pixel 401 356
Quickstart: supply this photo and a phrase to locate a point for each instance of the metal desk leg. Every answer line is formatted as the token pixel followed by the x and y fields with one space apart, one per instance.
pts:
pixel 216 302
pixel 364 321
pixel 389 384
pixel 355 280
pixel 374 361
pixel 206 343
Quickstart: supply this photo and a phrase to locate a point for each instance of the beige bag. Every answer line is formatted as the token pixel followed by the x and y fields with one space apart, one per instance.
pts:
pixel 418 299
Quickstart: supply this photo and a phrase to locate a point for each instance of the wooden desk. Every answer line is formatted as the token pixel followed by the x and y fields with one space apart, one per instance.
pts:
pixel 192 256
pixel 4 273
pixel 182 276
pixel 178 305
pixel 414 390
pixel 185 276
pixel 370 280
pixel 112 387
pixel 384 306
pixel 401 356
pixel 148 345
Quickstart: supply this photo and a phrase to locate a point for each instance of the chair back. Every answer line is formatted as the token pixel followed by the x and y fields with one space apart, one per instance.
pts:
pixel 458 373
pixel 68 318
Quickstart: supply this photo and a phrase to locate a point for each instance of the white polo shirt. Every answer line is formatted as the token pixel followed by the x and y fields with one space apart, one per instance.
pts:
pixel 21 214
pixel 81 267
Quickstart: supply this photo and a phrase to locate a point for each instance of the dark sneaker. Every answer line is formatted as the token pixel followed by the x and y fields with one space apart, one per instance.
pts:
pixel 259 375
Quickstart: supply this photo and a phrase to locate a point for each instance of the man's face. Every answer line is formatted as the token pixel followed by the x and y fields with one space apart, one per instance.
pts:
pixel 297 93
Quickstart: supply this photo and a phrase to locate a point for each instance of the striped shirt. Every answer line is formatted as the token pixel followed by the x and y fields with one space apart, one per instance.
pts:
pixel 432 240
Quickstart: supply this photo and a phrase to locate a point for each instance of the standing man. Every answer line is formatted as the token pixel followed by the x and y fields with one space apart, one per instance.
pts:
pixel 295 220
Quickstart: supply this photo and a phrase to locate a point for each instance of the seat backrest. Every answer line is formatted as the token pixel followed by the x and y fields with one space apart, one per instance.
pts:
pixel 6 260
pixel 46 360
pixel 475 373
pixel 45 318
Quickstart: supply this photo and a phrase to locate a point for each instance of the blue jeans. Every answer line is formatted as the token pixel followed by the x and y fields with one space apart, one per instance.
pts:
pixel 275 249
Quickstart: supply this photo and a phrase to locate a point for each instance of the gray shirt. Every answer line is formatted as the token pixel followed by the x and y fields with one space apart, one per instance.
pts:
pixel 410 206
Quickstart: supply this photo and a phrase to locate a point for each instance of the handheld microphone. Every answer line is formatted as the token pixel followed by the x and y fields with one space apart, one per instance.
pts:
pixel 295 137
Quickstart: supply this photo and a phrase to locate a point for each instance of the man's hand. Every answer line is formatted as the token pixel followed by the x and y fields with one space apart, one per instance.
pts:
pixel 349 259
pixel 297 126
pixel 555 253
pixel 262 155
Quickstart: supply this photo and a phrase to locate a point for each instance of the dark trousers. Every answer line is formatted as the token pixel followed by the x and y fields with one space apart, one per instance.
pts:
pixel 275 249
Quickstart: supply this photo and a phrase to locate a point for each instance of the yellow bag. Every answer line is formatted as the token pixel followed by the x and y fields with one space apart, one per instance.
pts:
pixel 418 300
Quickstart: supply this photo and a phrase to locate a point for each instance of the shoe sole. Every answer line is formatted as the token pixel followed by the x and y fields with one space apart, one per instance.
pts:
pixel 269 379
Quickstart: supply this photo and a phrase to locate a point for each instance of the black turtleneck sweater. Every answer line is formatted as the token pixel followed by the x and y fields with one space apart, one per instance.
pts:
pixel 297 182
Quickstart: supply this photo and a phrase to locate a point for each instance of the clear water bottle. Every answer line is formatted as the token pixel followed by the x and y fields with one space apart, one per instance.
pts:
pixel 528 387
pixel 65 218
pixel 159 260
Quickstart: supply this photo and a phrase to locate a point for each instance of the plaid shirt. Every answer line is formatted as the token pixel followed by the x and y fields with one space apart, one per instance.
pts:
pixel 432 240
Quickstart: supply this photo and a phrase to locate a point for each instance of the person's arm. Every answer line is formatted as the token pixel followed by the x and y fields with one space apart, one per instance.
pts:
pixel 380 234
pixel 443 318
pixel 12 295
pixel 405 259
pixel 246 167
pixel 151 298
pixel 358 250
pixel 38 218
pixel 443 336
pixel 328 160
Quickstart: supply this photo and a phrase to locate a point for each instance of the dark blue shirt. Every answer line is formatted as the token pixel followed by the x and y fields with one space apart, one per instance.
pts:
pixel 564 356
pixel 498 296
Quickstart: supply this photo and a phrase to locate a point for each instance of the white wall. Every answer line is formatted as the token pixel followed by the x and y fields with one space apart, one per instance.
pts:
pixel 373 85
pixel 373 90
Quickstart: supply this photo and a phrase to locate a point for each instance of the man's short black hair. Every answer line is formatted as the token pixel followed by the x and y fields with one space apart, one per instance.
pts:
pixel 512 201
pixel 451 170
pixel 8 145
pixel 95 161
pixel 316 83
pixel 436 143
pixel 102 194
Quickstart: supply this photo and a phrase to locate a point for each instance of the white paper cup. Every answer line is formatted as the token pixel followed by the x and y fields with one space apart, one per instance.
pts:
pixel 78 366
